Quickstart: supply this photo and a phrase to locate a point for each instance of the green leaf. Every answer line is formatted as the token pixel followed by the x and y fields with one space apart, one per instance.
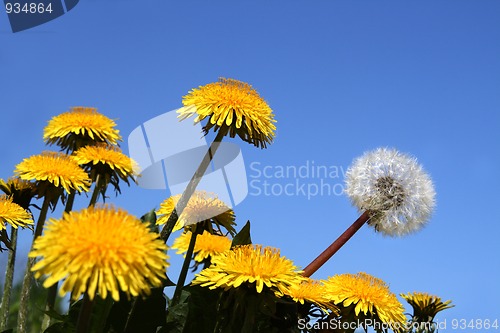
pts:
pixel 177 315
pixel 54 314
pixel 242 237
pixel 202 312
pixel 150 219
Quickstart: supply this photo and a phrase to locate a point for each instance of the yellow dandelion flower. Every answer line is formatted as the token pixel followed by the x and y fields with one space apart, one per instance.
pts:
pixel 368 294
pixel 13 214
pixel 252 264
pixel 79 127
pixel 106 159
pixel 56 168
pixel 22 191
pixel 202 206
pixel 15 184
pixel 426 306
pixel 207 245
pixel 312 291
pixel 100 250
pixel 232 106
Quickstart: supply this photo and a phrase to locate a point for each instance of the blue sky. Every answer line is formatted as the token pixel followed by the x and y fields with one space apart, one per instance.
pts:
pixel 342 77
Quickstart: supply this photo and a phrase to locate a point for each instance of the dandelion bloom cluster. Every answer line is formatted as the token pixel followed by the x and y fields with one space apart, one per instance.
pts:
pixel 202 206
pixel 79 127
pixel 312 291
pixel 107 156
pixel 57 168
pixel 252 264
pixel 13 214
pixel 425 306
pixel 232 106
pixel 207 245
pixel 368 295
pixel 394 188
pixel 100 250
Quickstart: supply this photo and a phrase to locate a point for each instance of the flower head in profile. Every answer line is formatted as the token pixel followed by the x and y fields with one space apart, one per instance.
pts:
pixel 425 306
pixel 57 169
pixel 233 107
pixel 207 245
pixel 393 188
pixel 13 214
pixel 107 161
pixel 312 291
pixel 100 250
pixel 253 265
pixel 79 127
pixel 368 295
pixel 22 191
pixel 202 206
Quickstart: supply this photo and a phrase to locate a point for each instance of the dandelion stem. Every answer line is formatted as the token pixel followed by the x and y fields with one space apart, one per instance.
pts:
pixel 191 187
pixel 9 277
pixel 130 314
pixel 83 323
pixel 49 306
pixel 22 316
pixel 336 245
pixel 185 266
pixel 69 203
pixel 95 194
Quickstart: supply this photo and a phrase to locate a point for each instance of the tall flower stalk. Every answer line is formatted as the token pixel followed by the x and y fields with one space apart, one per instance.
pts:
pixel 185 266
pixel 9 278
pixel 191 187
pixel 22 315
pixel 13 212
pixel 336 245
pixel 394 193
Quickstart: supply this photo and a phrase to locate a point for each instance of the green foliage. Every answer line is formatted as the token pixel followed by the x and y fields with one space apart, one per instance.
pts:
pixel 245 310
pixel 150 219
pixel 177 315
pixel 242 237
pixel 196 311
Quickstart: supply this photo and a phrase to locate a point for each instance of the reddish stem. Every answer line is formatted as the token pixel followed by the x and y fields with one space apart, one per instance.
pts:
pixel 336 245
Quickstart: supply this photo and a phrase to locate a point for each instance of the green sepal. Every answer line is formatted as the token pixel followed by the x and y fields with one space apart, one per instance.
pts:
pixel 242 237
